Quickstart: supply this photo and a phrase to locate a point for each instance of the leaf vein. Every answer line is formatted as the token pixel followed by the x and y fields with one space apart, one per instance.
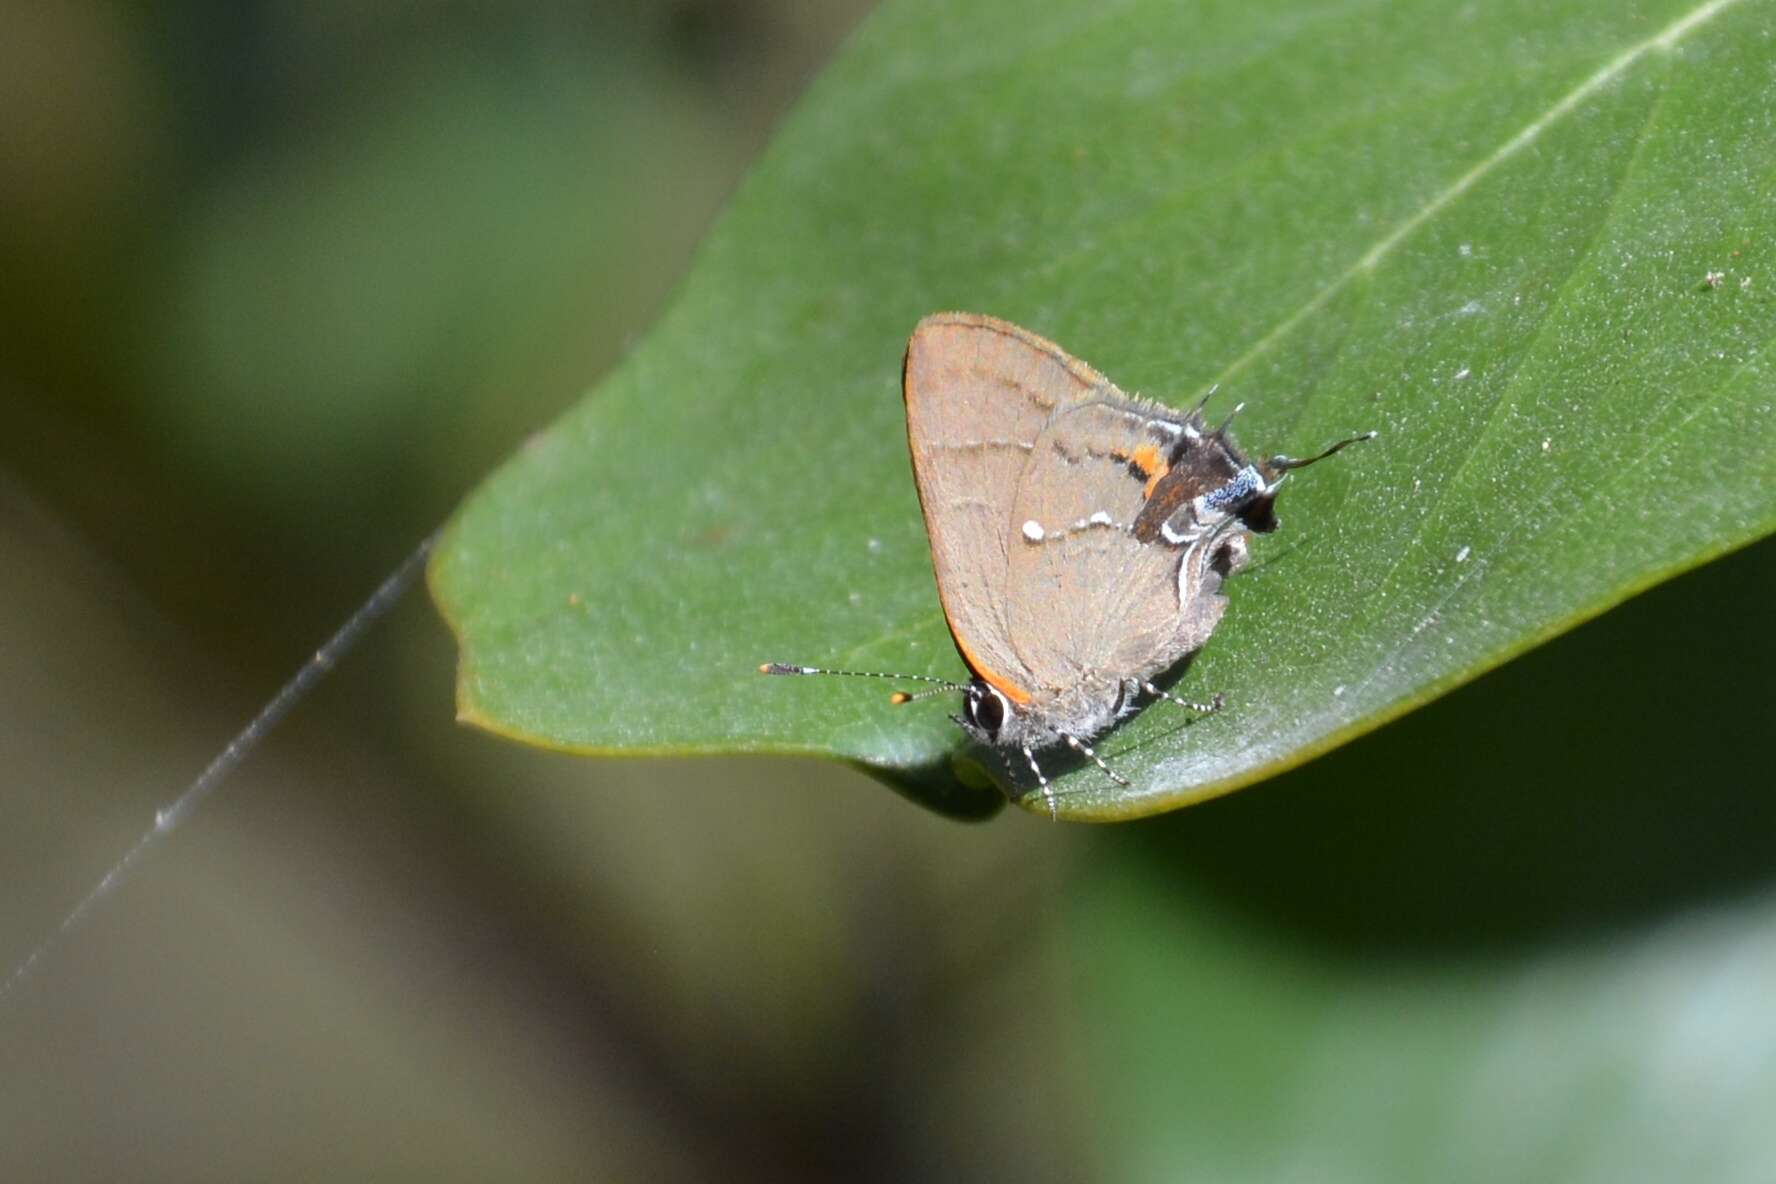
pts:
pixel 1665 39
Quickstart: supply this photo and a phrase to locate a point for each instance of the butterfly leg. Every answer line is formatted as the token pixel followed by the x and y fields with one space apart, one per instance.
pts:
pixel 1047 794
pixel 1080 746
pixel 1209 708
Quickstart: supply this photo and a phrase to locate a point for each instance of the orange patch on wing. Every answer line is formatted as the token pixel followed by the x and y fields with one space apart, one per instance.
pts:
pixel 1148 459
pixel 998 682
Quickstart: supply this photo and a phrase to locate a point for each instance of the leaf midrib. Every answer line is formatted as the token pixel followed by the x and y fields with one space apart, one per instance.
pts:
pixel 1667 38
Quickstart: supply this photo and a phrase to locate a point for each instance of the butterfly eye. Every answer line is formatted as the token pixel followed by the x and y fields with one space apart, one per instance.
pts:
pixel 985 708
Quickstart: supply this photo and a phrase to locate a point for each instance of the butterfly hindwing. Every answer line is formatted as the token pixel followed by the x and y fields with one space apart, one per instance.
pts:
pixel 1095 587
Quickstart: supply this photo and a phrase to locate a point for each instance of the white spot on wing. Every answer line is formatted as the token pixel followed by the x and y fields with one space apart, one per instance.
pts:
pixel 1100 518
pixel 1033 531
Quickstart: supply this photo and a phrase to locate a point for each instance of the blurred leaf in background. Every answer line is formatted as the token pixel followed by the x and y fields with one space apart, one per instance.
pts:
pixel 285 280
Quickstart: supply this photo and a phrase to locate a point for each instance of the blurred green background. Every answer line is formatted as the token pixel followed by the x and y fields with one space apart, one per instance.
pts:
pixel 282 281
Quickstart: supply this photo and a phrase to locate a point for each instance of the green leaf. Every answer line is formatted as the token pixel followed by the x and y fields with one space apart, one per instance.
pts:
pixel 1530 243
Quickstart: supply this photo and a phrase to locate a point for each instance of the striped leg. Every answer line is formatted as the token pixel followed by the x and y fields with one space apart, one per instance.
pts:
pixel 1047 794
pixel 1080 746
pixel 1209 708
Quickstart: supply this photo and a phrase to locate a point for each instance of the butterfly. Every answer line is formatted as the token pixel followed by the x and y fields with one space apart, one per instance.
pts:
pixel 1081 537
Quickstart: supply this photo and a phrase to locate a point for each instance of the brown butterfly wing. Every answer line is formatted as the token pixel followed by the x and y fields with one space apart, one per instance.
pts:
pixel 979 392
pixel 1094 589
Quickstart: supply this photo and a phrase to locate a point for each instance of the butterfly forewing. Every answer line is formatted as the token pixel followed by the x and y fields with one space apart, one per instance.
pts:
pixel 978 394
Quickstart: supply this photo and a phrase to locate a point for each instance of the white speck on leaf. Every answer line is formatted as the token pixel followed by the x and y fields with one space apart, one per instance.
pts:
pixel 1461 556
